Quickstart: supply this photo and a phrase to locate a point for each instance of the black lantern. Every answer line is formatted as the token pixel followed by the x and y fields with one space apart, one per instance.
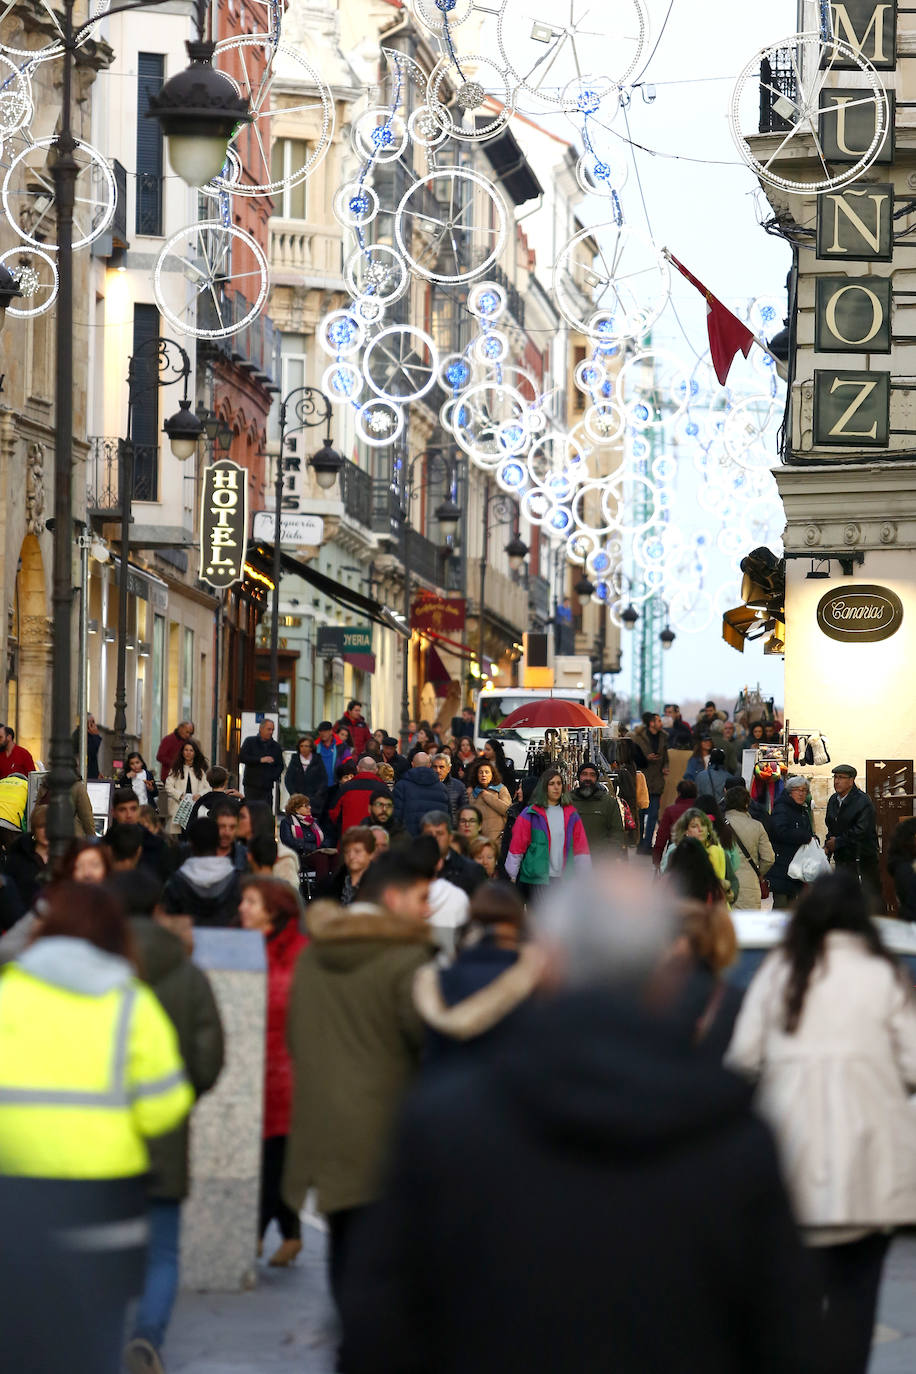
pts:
pixel 629 617
pixel 199 110
pixel 326 464
pixel 584 590
pixel 517 550
pixel 448 513
pixel 183 429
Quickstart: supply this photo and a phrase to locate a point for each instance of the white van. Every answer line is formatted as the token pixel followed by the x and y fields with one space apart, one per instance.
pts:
pixel 493 707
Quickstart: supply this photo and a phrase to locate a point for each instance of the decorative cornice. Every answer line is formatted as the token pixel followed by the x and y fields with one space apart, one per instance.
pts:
pixel 854 507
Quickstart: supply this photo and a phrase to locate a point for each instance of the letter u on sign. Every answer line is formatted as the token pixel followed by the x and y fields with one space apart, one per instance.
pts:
pixel 860 613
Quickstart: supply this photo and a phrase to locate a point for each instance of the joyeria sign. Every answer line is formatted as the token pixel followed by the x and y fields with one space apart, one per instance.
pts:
pixel 860 614
pixel 224 523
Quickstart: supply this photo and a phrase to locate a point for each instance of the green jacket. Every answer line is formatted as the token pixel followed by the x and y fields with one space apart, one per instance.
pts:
pixel 187 998
pixel 601 817
pixel 355 1038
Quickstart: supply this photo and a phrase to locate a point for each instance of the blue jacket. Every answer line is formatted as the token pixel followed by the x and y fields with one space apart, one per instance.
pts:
pixel 416 793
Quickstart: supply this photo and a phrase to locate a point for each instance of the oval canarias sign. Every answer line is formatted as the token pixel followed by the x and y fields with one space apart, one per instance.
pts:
pixel 860 614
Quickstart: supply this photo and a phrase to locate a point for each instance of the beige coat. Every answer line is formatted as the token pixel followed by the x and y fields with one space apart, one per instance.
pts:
pixel 757 843
pixel 175 789
pixel 493 807
pixel 836 1091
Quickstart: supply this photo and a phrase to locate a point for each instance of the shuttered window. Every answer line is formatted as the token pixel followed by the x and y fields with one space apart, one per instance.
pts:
pixel 145 416
pixel 150 76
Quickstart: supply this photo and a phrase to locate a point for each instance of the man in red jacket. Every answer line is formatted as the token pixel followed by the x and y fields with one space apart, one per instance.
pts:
pixel 13 758
pixel 355 795
pixel 170 747
pixel 360 733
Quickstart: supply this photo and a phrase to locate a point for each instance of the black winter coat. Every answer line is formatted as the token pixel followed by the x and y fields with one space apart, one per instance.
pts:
pixel 790 826
pixel 260 777
pixel 187 999
pixel 616 1198
pixel 417 792
pixel 25 869
pixel 853 827
pixel 210 902
pixel 310 781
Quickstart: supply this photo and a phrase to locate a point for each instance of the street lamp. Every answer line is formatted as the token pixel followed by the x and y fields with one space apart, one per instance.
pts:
pixel 629 618
pixel 308 408
pixel 667 636
pixel 164 362
pixel 584 590
pixel 9 290
pixel 68 37
pixel 448 514
pixel 199 110
pixel 506 513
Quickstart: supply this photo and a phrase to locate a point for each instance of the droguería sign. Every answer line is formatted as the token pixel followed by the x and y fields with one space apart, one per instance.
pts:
pixel 296 530
pixel 860 614
pixel 224 523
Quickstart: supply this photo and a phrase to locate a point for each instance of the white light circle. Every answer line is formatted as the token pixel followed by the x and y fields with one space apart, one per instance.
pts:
pixel 394 348
pixel 36 273
pixel 342 382
pixel 379 423
pixel 341 334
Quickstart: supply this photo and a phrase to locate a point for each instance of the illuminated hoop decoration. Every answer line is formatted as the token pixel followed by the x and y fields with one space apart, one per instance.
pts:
pixel 36 276
pixel 379 422
pixel 15 96
pixel 545 49
pixel 423 235
pixel 260 56
pixel 342 383
pixel 400 364
pixel 28 195
pixel 627 283
pixel 811 59
pixel 205 265
pixel 480 84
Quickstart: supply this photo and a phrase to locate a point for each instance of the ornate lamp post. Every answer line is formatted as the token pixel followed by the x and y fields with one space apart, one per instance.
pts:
pixel 506 513
pixel 193 113
pixel 161 362
pixel 448 514
pixel 307 408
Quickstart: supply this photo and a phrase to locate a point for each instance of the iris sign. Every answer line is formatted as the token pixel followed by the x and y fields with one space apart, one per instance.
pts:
pixel 224 523
pixel 860 614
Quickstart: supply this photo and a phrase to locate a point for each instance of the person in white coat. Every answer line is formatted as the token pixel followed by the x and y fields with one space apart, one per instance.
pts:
pixel 828 1028
pixel 186 778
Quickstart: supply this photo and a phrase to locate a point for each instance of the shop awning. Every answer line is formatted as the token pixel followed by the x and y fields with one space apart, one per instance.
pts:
pixel 743 623
pixel 436 672
pixel 260 556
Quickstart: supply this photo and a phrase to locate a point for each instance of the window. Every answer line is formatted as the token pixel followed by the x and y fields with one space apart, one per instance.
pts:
pixel 150 75
pixel 145 410
pixel 187 675
pixel 288 156
pixel 157 672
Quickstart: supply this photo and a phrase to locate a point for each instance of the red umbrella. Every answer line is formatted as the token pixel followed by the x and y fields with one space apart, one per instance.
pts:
pixel 550 714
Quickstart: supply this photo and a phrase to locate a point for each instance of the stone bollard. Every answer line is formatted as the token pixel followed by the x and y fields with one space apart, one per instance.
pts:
pixel 219 1232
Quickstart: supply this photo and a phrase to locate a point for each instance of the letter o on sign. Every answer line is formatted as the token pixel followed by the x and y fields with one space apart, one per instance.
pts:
pixel 859 613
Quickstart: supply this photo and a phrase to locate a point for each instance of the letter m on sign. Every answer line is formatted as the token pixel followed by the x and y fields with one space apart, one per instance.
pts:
pixel 869 27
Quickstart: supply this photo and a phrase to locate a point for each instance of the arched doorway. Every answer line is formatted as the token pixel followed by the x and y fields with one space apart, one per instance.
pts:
pixel 30 662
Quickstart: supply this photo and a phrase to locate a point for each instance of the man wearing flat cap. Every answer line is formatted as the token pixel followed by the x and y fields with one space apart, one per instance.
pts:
pixel 852 836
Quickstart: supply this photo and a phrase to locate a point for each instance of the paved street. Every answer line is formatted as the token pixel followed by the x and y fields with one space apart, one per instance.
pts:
pixel 284 1326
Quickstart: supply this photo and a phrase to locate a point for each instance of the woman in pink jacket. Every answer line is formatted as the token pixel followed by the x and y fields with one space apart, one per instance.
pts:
pixel 548 838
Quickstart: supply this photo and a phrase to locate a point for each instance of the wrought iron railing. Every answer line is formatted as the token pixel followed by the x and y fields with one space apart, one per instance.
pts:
pixel 356 493
pixel 149 203
pixel 778 93
pixel 538 598
pixel 424 557
pixel 103 474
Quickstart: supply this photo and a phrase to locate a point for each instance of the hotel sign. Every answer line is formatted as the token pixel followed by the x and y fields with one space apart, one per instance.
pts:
pixel 224 523
pixel 860 614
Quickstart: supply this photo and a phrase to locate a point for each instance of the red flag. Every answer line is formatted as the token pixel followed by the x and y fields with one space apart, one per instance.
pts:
pixel 727 335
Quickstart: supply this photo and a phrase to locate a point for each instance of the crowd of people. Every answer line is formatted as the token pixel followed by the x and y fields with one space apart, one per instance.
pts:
pixel 491 1032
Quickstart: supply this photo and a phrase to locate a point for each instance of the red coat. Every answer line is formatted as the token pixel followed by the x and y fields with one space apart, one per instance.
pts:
pixel 360 733
pixel 168 752
pixel 282 952
pixel 19 761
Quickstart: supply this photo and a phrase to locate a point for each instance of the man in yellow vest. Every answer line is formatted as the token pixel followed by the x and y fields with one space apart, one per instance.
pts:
pixel 89 1069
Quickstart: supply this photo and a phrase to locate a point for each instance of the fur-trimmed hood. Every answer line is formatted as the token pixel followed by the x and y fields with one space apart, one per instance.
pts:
pixel 484 1009
pixel 347 935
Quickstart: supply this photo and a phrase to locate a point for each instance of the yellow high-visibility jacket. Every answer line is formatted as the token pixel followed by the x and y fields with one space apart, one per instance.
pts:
pixel 89 1065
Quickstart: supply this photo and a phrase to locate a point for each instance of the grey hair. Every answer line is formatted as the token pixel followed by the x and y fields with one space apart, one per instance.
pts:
pixel 796 780
pixel 368 764
pixel 436 818
pixel 611 924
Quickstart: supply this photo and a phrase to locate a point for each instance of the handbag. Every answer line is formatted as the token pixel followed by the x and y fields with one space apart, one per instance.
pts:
pixel 626 815
pixel 183 814
pixel 808 862
pixel 764 885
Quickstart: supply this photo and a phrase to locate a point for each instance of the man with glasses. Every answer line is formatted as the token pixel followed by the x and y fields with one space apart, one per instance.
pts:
pixel 457 792
pixel 381 813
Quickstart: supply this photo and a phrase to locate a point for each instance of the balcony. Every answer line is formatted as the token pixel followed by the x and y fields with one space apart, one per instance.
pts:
pixel 539 599
pixel 299 249
pixel 514 302
pixel 102 474
pixel 255 348
pixel 778 94
pixel 425 558
pixel 356 493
